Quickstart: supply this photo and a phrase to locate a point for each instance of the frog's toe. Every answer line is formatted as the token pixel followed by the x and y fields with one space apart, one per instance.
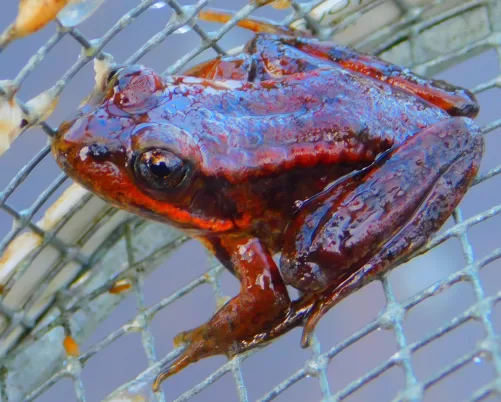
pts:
pixel 305 311
pixel 196 348
pixel 316 306
pixel 183 338
pixel 172 368
pixel 316 312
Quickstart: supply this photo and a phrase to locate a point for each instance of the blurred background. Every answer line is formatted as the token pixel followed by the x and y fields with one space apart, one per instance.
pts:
pixel 123 359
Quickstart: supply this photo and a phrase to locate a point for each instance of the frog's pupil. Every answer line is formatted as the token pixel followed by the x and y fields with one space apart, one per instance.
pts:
pixel 160 168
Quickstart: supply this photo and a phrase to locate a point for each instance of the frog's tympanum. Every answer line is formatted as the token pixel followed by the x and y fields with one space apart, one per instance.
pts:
pixel 341 162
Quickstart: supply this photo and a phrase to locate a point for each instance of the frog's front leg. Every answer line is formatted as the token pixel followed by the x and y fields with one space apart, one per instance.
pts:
pixel 246 319
pixel 341 240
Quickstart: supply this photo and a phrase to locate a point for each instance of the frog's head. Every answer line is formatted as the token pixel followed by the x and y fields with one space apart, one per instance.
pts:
pixel 124 148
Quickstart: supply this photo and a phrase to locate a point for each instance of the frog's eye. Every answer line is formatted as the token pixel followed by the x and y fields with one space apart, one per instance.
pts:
pixel 159 169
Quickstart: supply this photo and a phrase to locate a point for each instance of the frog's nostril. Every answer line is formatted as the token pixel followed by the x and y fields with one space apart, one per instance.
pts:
pixel 98 151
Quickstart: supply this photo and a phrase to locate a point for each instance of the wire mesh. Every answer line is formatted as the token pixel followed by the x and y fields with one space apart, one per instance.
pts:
pixel 427 36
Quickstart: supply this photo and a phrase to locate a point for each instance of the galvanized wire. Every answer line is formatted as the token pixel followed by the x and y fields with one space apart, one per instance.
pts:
pixel 405 30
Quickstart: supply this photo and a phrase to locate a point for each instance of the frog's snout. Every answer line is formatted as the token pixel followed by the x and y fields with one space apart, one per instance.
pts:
pixel 65 143
pixel 60 151
pixel 78 149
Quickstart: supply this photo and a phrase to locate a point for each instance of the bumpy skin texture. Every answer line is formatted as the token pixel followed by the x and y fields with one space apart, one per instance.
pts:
pixel 342 162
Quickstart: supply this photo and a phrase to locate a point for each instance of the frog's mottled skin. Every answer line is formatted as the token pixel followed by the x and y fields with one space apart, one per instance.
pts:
pixel 342 162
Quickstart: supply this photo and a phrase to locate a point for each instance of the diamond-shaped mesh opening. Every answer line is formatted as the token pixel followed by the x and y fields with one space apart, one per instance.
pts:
pixel 56 274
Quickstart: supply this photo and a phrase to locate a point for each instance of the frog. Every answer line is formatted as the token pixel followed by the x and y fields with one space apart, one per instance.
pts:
pixel 340 162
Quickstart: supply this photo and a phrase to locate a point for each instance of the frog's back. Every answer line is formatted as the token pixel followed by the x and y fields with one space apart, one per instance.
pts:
pixel 336 115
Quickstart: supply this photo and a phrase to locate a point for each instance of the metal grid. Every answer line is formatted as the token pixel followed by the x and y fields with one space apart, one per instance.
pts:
pixel 404 30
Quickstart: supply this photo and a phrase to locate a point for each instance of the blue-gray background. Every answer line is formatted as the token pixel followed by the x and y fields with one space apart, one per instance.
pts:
pixel 125 358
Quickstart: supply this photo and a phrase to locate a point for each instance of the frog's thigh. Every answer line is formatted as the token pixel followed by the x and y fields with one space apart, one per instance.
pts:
pixel 385 214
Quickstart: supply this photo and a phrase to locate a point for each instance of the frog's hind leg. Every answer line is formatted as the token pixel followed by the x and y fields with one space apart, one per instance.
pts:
pixel 252 24
pixel 388 215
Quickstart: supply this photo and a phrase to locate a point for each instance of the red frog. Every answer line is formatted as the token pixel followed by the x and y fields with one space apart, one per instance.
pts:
pixel 343 163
